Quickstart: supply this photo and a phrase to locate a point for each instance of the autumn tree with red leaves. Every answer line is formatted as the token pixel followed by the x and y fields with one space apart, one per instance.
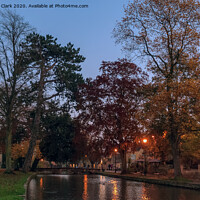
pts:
pixel 108 107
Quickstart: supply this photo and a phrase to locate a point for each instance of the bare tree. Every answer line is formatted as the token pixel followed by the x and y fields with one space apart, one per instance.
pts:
pixel 13 77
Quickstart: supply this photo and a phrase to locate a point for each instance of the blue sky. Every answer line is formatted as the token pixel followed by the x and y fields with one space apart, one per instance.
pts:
pixel 88 28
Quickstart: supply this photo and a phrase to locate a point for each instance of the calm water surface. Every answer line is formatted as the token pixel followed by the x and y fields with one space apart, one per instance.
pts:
pixel 96 187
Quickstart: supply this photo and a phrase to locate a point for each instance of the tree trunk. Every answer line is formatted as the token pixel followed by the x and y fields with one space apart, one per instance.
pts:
pixel 8 151
pixel 175 151
pixel 34 135
pixel 8 147
pixel 123 159
pixel 35 163
pixel 174 137
pixel 36 124
pixel 29 155
pixel 3 165
pixel 176 160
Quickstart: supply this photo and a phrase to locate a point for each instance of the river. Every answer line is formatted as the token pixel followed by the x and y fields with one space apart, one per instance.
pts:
pixel 97 187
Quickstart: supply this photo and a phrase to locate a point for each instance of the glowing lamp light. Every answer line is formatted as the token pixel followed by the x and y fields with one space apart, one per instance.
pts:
pixel 144 141
pixel 115 160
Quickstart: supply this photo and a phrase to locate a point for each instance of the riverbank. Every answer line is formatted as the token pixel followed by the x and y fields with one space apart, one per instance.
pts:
pixel 156 179
pixel 12 185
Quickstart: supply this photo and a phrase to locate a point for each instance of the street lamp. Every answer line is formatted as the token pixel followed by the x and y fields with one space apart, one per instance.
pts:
pixel 145 156
pixel 144 140
pixel 115 159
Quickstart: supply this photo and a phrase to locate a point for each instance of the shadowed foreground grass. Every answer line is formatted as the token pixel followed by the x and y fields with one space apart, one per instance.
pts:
pixel 12 185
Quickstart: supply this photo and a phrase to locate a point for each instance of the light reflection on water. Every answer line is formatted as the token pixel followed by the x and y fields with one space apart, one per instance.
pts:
pixel 144 195
pixel 115 190
pixel 85 192
pixel 95 187
pixel 41 182
pixel 102 189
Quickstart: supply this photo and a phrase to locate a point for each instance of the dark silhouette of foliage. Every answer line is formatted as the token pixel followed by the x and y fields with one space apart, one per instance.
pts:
pixel 57 143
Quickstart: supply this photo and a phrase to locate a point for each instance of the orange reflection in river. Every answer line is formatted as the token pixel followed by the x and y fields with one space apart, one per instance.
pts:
pixel 144 194
pixel 41 182
pixel 85 188
pixel 115 190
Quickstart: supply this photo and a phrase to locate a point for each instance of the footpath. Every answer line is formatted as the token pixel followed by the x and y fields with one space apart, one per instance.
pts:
pixel 156 179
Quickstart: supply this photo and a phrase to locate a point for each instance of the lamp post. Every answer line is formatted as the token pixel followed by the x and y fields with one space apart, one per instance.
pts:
pixel 145 156
pixel 115 160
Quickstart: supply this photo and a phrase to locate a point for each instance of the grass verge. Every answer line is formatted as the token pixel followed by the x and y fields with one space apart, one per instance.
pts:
pixel 12 185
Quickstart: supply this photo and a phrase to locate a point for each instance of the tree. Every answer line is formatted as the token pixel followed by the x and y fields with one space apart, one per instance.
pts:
pixel 85 146
pixel 2 142
pixel 108 107
pixel 80 144
pixel 166 33
pixel 55 69
pixel 158 146
pixel 190 148
pixel 19 151
pixel 57 143
pixel 13 76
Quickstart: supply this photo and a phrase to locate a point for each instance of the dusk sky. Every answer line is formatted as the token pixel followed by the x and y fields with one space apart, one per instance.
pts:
pixel 88 28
